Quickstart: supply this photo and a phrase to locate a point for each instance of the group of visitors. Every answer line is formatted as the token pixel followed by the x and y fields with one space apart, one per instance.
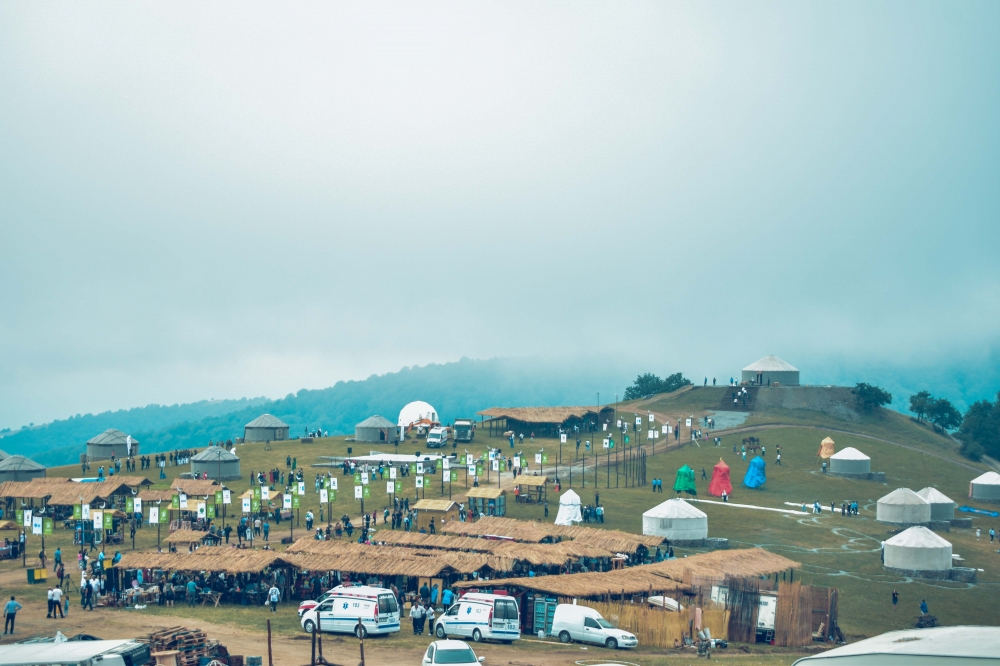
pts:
pixel 657 485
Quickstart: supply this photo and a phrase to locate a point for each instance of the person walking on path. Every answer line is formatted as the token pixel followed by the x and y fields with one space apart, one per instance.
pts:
pixel 978 531
pixel 703 475
pixel 9 613
pixel 267 530
pixel 48 598
pixel 88 597
pixel 895 600
pixel 56 558
pixel 992 534
pixel 273 595
pixel 417 617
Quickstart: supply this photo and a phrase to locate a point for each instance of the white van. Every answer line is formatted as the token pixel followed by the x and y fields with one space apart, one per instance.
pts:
pixel 580 623
pixel 481 617
pixel 437 438
pixel 354 609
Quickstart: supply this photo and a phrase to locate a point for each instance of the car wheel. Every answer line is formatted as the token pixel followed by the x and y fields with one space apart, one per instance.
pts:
pixel 309 626
pixel 564 637
pixel 611 643
pixel 360 631
pixel 440 632
pixel 477 636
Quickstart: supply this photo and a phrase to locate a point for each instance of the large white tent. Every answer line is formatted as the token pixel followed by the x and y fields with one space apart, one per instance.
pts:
pixel 569 509
pixel 986 487
pixel 903 507
pixel 770 370
pixel 676 520
pixel 850 461
pixel 415 411
pixel 918 549
pixel 942 506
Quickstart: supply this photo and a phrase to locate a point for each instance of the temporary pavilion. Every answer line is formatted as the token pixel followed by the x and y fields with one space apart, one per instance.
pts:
pixel 771 370
pixel 569 509
pixel 851 462
pixel 265 428
pixel 986 488
pixel 903 507
pixel 547 421
pixel 675 520
pixel 826 448
pixel 720 480
pixel 756 475
pixel 111 441
pixel 917 549
pixel 217 463
pixel 19 468
pixel 375 429
pixel 685 481
pixel 942 506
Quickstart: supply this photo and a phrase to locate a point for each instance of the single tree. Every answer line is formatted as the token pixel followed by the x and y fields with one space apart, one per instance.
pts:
pixel 944 415
pixel 870 397
pixel 920 404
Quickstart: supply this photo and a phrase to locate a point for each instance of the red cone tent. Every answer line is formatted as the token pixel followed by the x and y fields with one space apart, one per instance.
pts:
pixel 720 480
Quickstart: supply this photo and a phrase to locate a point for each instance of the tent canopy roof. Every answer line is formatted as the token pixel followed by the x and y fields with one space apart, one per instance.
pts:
pixel 991 478
pixel 850 453
pixel 215 454
pixel 111 436
pixel 376 422
pixel 17 463
pixel 266 421
pixel 918 537
pixel 674 508
pixel 770 364
pixel 935 496
pixel 902 496
pixel 569 497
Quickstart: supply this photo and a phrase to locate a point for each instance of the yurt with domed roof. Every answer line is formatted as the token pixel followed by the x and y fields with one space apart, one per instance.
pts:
pixel 677 521
pixel 903 507
pixel 850 462
pixel 942 506
pixel 917 549
pixel 986 488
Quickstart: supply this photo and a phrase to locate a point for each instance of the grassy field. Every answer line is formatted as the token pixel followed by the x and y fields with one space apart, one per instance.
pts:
pixel 834 551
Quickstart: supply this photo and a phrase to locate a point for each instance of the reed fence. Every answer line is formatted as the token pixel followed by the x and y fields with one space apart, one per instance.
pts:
pixel 657 627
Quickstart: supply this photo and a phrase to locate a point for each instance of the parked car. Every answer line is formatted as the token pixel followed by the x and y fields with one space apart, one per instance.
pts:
pixel 581 623
pixel 357 609
pixel 454 653
pixel 437 438
pixel 481 616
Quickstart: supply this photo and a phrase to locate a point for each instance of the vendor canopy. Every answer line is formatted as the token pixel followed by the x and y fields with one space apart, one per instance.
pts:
pixel 826 448
pixel 755 476
pixel 720 480
pixel 685 481
pixel 569 509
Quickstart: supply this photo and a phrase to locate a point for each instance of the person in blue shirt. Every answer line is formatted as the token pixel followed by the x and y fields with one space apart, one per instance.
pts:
pixel 923 606
pixel 447 597
pixel 434 595
pixel 9 611
pixel 57 559
pixel 117 558
pixel 267 529
pixel 192 592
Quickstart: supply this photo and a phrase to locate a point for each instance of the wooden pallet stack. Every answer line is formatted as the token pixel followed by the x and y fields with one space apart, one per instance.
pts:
pixel 190 644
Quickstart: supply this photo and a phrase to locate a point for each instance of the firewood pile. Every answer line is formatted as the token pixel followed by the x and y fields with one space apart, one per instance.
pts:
pixel 190 644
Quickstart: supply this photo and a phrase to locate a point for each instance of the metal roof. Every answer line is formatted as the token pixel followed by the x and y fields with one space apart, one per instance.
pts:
pixel 111 436
pixel 266 421
pixel 214 454
pixel 19 464
pixel 952 645
pixel 376 422
pixel 770 364
pixel 71 652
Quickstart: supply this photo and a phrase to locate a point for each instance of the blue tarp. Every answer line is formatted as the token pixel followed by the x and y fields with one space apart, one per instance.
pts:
pixel 755 476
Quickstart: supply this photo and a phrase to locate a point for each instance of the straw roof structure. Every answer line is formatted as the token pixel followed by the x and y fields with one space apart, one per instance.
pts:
pixel 24 490
pixel 538 414
pixel 434 505
pixel 485 492
pixel 197 487
pixel 229 560
pixel 718 564
pixel 186 536
pixel 156 495
pixel 519 530
pixel 541 554
pixel 64 492
pixel 531 481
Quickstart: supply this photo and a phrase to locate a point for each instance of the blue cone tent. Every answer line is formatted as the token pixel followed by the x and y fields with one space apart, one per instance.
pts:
pixel 755 476
pixel 685 481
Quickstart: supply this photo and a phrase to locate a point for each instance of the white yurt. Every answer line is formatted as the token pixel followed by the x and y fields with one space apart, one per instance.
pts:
pixel 216 463
pixel 676 520
pixel 918 549
pixel 903 507
pixel 569 509
pixel 942 506
pixel 850 461
pixel 986 487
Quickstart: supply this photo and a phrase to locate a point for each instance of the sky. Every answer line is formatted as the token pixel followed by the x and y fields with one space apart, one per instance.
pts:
pixel 205 200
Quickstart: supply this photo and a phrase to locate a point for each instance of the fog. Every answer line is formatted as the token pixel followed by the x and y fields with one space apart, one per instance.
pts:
pixel 203 201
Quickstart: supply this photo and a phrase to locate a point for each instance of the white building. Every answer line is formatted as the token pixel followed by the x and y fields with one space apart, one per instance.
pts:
pixel 986 487
pixel 850 461
pixel 676 520
pixel 903 507
pixel 917 549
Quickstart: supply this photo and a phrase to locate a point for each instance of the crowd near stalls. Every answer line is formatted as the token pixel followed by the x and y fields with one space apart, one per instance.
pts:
pixel 522 422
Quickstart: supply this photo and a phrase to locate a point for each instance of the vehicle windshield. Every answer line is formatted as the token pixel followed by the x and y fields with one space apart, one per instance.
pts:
pixel 459 656
pixel 604 623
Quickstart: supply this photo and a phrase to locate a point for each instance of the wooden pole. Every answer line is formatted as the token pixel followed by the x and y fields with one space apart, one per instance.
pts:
pixel 270 660
pixel 361 641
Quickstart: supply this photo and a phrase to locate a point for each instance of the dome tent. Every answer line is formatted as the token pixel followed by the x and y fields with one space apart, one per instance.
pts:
pixel 903 507
pixel 569 509
pixel 720 480
pixel 756 475
pixel 416 411
pixel 942 506
pixel 676 520
pixel 19 468
pixel 685 481
pixel 850 461
pixel 216 462
pixel 986 487
pixel 917 549
pixel 826 448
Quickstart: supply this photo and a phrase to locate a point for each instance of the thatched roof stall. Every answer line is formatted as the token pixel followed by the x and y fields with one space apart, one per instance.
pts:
pixel 528 531
pixel 196 487
pixel 544 420
pixel 487 500
pixel 441 511
pixel 187 537
pixel 518 530
pixel 228 560
pixel 531 488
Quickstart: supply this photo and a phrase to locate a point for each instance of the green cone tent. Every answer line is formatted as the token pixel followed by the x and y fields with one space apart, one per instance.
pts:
pixel 685 481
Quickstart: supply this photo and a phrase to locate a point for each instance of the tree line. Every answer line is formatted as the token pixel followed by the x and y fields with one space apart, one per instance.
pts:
pixel 650 384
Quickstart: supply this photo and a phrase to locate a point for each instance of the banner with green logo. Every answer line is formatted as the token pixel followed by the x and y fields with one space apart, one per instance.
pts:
pixel 164 517
pixel 626 439
pixel 479 470
pixel 454 475
pixel 545 458
pixel 218 497
pixel 175 502
pixel 109 523
pixel 255 505
pixel 366 492
pixel 357 478
pixel 256 493
pixel 332 495
pixel 77 512
pixel 210 511
pixel 413 468
pixel 47 525
pixel 296 502
pixel 129 505
pixel 399 486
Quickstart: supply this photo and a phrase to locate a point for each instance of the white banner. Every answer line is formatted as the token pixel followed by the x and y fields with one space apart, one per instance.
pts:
pixel 649 434
pixel 538 458
pixel 27 518
pixel 670 429
pixel 495 465
pixel 656 434
pixel 227 497
pixel 650 419
pixel 36 525
pixel 392 473
pixel 446 463
pixel 420 482
pixel 364 478
pixel 606 445
pixel 137 505
pixel 517 462
pixel 687 423
pixel 604 426
pixel 472 469
pixel 154 515
pixel 98 517
pixel 333 483
pixel 85 511
pixel 619 423
pixel 665 429
pixel 246 505
pixel 324 495
pixel 184 501
pixel 638 420
pixel 302 487
pixel 265 493
pixel 390 487
pixel 357 492
pixel 202 512
pixel 562 438
pixel 286 501
pixel 420 468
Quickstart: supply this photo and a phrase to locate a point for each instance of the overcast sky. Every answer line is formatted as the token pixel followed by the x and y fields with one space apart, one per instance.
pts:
pixel 206 200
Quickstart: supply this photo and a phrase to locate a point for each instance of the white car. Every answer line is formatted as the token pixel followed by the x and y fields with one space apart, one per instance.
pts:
pixel 454 653
pixel 582 623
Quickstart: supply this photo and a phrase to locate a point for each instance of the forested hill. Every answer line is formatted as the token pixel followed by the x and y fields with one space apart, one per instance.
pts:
pixel 455 389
